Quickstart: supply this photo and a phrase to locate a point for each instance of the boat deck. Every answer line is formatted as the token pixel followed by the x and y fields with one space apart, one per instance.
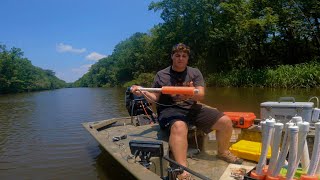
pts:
pixel 204 163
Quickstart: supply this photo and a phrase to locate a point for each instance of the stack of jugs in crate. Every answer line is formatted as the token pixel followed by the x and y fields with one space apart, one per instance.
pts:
pixel 293 142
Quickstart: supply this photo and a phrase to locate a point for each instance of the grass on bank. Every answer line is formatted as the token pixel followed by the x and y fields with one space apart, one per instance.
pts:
pixel 305 75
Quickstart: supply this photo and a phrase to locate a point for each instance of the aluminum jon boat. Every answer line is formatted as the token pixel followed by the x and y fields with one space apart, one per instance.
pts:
pixel 142 150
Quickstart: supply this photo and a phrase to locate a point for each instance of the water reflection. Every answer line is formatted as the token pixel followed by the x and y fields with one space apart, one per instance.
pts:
pixel 42 136
pixel 15 114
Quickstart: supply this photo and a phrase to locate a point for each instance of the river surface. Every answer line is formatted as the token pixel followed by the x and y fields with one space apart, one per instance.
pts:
pixel 41 136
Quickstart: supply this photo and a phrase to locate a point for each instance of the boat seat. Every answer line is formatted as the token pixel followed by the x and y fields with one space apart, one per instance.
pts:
pixel 193 137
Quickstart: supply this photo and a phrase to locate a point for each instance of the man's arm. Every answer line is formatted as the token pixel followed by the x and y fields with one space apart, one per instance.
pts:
pixel 150 96
pixel 198 83
pixel 196 97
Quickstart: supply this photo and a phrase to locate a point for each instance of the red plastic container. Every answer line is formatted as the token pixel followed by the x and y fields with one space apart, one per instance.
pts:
pixel 241 119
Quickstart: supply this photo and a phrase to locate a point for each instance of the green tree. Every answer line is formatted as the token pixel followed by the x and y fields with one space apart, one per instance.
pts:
pixel 17 74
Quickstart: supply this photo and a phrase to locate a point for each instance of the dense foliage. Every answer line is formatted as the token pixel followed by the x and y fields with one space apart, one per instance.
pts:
pixel 305 75
pixel 229 39
pixel 17 74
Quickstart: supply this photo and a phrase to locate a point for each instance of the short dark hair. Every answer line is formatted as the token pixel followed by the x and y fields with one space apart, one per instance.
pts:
pixel 180 47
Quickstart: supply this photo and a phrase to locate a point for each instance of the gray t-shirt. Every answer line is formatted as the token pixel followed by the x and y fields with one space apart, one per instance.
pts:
pixel 169 77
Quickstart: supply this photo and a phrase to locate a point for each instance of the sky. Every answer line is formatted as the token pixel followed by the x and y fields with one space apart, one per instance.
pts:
pixel 68 36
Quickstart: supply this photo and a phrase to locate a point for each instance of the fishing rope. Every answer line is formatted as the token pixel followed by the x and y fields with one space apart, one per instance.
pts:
pixel 123 151
pixel 121 146
pixel 166 105
pixel 108 135
pixel 145 111
pixel 130 157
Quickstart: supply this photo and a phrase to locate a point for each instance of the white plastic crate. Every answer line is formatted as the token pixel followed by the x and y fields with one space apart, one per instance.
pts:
pixel 283 110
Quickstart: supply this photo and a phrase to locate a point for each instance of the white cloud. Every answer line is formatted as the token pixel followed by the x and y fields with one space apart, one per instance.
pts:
pixel 61 75
pixel 94 56
pixel 74 74
pixel 68 48
pixel 82 69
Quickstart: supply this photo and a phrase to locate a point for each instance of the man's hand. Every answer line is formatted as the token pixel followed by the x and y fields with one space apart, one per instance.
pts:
pixel 195 97
pixel 182 97
pixel 135 90
pixel 151 97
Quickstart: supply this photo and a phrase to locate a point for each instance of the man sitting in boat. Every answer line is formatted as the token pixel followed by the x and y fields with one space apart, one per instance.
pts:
pixel 176 112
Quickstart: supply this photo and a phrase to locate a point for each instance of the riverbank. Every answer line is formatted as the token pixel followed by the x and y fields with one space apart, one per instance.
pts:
pixel 305 75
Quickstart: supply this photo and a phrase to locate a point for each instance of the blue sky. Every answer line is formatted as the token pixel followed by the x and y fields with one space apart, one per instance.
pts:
pixel 68 36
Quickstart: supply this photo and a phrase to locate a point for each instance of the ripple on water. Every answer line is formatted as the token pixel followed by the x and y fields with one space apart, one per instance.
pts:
pixel 41 136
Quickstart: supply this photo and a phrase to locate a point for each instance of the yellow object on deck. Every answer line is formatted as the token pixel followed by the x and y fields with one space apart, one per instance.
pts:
pixel 249 150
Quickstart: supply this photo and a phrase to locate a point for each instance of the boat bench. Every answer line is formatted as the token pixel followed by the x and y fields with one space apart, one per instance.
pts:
pixel 195 138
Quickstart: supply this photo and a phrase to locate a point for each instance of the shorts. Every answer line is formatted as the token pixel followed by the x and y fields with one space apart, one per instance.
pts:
pixel 203 117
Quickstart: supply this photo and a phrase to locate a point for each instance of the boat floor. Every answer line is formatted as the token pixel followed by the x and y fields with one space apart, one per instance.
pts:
pixel 204 163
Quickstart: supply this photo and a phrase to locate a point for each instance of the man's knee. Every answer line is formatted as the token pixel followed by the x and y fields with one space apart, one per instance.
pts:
pixel 223 123
pixel 179 127
pixel 226 121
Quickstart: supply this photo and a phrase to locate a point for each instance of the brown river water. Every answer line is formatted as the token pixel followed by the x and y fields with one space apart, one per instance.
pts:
pixel 41 136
